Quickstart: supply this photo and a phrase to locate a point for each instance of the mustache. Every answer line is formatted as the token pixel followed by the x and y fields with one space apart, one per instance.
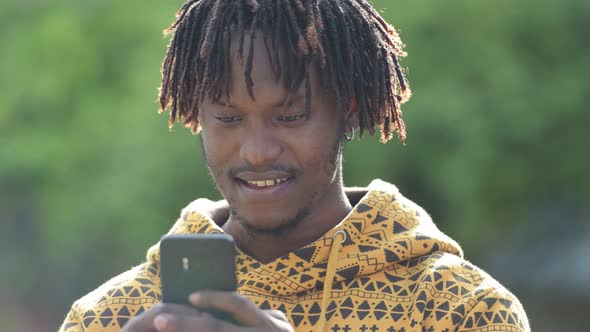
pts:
pixel 235 171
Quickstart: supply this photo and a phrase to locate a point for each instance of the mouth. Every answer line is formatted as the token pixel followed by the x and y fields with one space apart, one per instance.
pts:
pixel 264 184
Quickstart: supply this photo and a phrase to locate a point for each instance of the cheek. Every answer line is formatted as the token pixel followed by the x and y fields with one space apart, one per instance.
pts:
pixel 319 151
pixel 215 154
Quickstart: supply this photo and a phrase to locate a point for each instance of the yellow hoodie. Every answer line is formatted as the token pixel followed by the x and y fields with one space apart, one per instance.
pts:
pixel 384 268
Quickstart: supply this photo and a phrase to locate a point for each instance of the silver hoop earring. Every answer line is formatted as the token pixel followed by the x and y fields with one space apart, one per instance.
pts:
pixel 351 137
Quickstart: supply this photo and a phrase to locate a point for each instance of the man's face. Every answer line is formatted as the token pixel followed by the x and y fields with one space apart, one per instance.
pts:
pixel 272 164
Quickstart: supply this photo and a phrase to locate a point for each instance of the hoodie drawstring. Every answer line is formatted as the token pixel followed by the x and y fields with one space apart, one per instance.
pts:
pixel 337 240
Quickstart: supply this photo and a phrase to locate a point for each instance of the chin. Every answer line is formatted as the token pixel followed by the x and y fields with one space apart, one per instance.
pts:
pixel 265 224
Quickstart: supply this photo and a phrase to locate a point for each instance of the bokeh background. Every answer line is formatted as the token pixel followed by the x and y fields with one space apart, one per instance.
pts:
pixel 90 175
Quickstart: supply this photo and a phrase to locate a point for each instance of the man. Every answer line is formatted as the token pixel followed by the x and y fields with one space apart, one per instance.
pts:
pixel 275 88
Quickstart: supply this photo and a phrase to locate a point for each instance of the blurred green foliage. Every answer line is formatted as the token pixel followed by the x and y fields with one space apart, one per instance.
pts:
pixel 90 175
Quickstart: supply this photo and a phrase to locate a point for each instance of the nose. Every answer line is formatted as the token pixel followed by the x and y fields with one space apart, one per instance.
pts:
pixel 260 147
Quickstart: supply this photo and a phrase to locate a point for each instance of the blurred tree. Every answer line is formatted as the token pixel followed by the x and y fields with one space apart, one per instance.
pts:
pixel 90 176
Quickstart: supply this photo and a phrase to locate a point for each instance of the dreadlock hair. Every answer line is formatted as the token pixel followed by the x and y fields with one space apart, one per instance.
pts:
pixel 358 53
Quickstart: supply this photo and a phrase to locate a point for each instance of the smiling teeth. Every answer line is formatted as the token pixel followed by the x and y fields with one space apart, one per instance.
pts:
pixel 266 183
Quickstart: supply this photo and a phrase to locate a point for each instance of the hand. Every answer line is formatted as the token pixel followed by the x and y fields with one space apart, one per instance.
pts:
pixel 218 211
pixel 178 318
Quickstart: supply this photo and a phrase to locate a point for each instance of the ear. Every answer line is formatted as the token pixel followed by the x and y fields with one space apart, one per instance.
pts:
pixel 351 116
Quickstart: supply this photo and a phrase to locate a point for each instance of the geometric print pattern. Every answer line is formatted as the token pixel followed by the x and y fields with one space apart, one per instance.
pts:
pixel 396 272
pixel 110 306
pixel 114 303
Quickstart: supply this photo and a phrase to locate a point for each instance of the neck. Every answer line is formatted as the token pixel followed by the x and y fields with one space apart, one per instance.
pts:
pixel 325 214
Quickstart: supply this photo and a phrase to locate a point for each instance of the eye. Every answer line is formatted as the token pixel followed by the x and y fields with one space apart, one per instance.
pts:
pixel 228 119
pixel 292 118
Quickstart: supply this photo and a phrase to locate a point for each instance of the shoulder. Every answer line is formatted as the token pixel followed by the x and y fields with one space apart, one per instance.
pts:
pixel 112 304
pixel 468 296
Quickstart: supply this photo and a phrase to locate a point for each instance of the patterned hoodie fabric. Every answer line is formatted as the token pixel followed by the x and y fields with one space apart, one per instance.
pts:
pixel 385 268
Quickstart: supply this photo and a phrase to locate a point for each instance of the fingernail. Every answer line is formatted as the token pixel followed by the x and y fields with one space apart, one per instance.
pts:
pixel 161 321
pixel 194 297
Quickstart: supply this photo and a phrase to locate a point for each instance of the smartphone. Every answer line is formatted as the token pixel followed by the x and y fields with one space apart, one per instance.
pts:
pixel 193 262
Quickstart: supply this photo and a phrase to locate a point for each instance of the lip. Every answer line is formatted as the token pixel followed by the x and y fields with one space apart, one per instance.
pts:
pixel 255 176
pixel 264 193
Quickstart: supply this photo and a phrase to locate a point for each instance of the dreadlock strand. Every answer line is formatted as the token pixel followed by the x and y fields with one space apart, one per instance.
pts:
pixel 164 88
pixel 331 45
pixel 255 5
pixel 319 27
pixel 167 69
pixel 358 68
pixel 318 17
pixel 393 107
pixel 299 6
pixel 303 48
pixel 207 75
pixel 249 61
pixel 242 28
pixel 227 73
pixel 405 91
pixel 266 26
pixel 189 54
pixel 307 89
pixel 382 85
pixel 389 34
pixel 313 30
pixel 275 39
pixel 180 16
pixel 369 56
pixel 223 77
pixel 311 33
pixel 177 68
pixel 212 25
pixel 344 29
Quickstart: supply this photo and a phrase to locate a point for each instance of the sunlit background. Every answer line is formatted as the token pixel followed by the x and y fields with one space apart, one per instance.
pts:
pixel 497 152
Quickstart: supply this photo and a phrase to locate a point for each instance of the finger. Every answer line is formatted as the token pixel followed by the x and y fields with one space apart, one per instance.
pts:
pixel 145 321
pixel 277 314
pixel 201 323
pixel 244 310
pixel 165 322
pixel 220 211
pixel 279 320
